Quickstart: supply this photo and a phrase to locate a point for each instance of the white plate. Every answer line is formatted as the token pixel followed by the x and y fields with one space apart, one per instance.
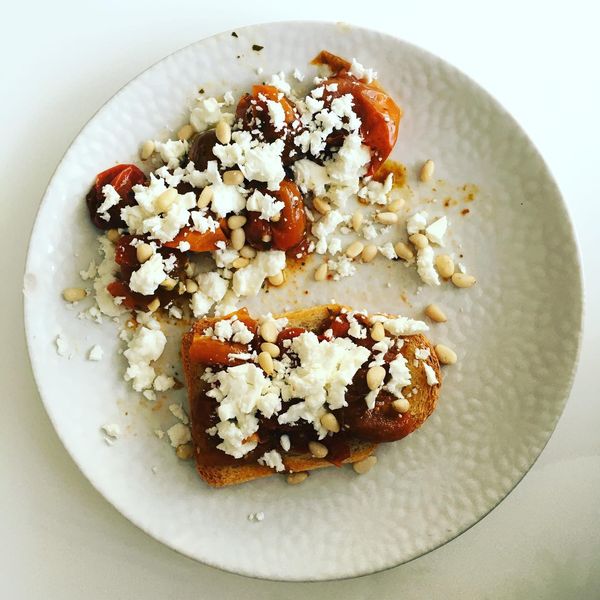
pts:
pixel 516 333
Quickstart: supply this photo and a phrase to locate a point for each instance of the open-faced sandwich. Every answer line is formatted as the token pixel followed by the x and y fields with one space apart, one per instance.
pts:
pixel 303 390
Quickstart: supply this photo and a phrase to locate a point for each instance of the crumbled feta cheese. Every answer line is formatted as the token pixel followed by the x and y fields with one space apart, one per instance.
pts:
pixel 149 395
pixel 178 412
pixel 425 266
pixel 277 114
pixel 375 192
pixel 184 246
pixel 200 304
pixel 273 460
pixel 171 151
pixel 111 198
pixel 162 383
pixel 436 231
pixel 263 163
pixel 106 274
pixel 360 72
pixel 228 99
pixel 96 353
pixel 90 272
pixel 112 430
pixel 399 326
pixel 388 251
pixel 323 228
pixel 297 75
pixel 248 280
pixel 179 434
pixel 430 374
pixel 340 267
pixel 207 112
pixel 63 348
pixel 146 345
pixel 278 80
pixel 422 353
pixel 310 176
pixel 266 205
pixel 213 285
pixel 399 376
pixel 416 223
pixel 149 276
pixel 227 199
pixel 159 433
pixel 356 330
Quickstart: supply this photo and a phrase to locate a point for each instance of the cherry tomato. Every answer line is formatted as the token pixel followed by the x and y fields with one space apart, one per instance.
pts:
pixel 290 230
pixel 201 149
pixel 258 231
pixel 131 300
pixel 199 242
pixel 207 351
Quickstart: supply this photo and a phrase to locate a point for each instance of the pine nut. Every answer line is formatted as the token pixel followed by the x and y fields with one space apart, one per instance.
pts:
pixel 184 451
pixel 268 332
pixel 73 294
pixel 272 349
pixel 402 405
pixel 234 177
pixel 321 205
pixel 154 305
pixel 395 205
pixel 403 251
pixel 426 170
pixel 277 280
pixel 354 249
pixel 296 478
pixel 205 197
pixel 266 238
pixel 317 449
pixel 377 332
pixel 276 218
pixel 265 360
pixel 248 252
pixel 435 313
pixel 113 235
pixel 186 132
pixel 364 466
pixel 462 280
pixel 168 283
pixel 223 132
pixel 236 221
pixel 445 355
pixel 191 286
pixel 369 253
pixel 240 263
pixel 375 377
pixel 444 265
pixel 181 289
pixel 143 252
pixel 147 150
pixel 386 218
pixel 419 241
pixel 321 273
pixel 238 239
pixel 165 200
pixel 357 220
pixel 329 421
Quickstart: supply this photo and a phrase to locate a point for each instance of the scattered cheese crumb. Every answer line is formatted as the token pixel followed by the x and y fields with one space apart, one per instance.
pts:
pixel 96 353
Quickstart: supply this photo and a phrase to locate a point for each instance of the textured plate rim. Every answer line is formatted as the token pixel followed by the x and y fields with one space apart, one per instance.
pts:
pixel 130 516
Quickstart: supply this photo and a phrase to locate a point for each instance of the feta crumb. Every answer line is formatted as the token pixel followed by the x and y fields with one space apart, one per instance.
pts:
pixel 297 75
pixel 360 72
pixel 425 266
pixel 276 114
pixel 90 272
pixel 184 246
pixel 63 348
pixel 146 345
pixel 96 353
pixel 273 460
pixel 422 353
pixel 179 434
pixel 260 516
pixel 112 430
pixel 149 276
pixel 149 395
pixel 162 383
pixel 159 433
pixel 388 251
pixel 178 412
pixel 265 204
pixel 111 198
pixel 436 231
pixel 430 374
pixel 417 222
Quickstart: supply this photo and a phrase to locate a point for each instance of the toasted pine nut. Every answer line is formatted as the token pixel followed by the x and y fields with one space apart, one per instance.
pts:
pixel 369 253
pixel 205 197
pixel 435 313
pixel 238 239
pixel 277 280
pixel 445 355
pixel 377 331
pixel 268 332
pixel 168 283
pixel 296 478
pixel 181 289
pixel 321 273
pixel 330 422
pixel 236 221
pixel 419 241
pixel 386 218
pixel 402 405
pixel 147 150
pixel 165 200
pixel 357 220
pixel 364 466
pixel 321 205
pixel 186 132
pixel 234 177
pixel 444 265
pixel 154 305
pixel 191 286
pixel 271 348
pixel 317 449
pixel 143 252
pixel 375 377
pixel 265 360
pixel 354 249
pixel 426 170
pixel 113 235
pixel 248 252
pixel 276 218
pixel 223 132
pixel 73 294
pixel 395 205
pixel 462 280
pixel 240 263
pixel 184 451
pixel 403 251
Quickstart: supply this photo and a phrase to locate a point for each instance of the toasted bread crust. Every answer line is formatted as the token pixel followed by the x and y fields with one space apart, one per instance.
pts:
pixel 422 403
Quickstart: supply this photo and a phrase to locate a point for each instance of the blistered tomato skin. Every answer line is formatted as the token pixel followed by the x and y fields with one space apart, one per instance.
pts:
pixel 122 178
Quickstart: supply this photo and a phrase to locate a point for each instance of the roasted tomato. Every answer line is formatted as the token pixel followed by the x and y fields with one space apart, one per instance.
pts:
pixel 199 242
pixel 201 146
pixel 379 114
pixel 122 178
pixel 286 234
pixel 254 110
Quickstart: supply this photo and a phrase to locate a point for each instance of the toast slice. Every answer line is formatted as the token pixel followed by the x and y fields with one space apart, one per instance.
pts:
pixel 422 403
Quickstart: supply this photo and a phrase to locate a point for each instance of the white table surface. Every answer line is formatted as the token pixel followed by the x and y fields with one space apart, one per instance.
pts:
pixel 60 61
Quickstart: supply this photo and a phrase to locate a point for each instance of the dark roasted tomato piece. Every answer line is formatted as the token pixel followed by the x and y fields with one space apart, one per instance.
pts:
pixel 290 230
pixel 199 242
pixel 122 178
pixel 258 231
pixel 254 114
pixel 289 333
pixel 200 151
